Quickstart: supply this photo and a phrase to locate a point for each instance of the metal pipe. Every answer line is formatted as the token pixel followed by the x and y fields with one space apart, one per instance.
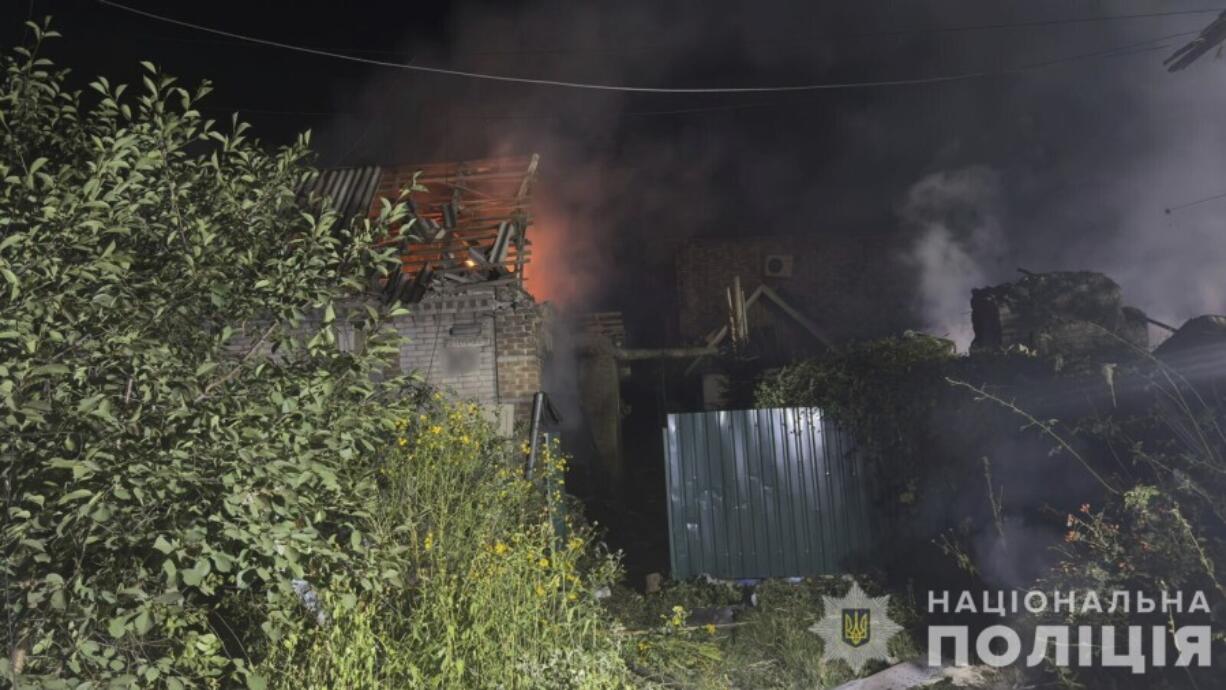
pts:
pixel 663 353
pixel 534 429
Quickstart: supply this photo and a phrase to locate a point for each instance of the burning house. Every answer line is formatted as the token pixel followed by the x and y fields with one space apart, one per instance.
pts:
pixel 474 330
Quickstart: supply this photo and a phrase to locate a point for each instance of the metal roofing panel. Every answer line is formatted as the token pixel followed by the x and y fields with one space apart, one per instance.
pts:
pixel 351 190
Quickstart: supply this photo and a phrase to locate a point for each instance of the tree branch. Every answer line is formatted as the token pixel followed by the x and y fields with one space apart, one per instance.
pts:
pixel 237 367
pixel 1042 426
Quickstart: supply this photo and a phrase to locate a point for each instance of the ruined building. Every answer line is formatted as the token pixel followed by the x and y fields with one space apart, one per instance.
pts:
pixel 1061 313
pixel 473 329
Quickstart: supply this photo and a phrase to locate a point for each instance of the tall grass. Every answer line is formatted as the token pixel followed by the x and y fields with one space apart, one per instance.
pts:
pixel 493 586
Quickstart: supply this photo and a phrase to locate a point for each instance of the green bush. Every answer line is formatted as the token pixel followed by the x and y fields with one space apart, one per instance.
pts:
pixel 882 391
pixel 164 478
pixel 200 487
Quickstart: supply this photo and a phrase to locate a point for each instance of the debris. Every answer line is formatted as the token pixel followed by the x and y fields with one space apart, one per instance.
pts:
pixel 1197 349
pixel 1065 314
pixel 908 674
pixel 653 583
pixel 1200 332
pixel 466 223
pixel 310 600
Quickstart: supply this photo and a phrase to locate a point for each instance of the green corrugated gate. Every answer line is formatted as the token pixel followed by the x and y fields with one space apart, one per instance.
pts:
pixel 763 493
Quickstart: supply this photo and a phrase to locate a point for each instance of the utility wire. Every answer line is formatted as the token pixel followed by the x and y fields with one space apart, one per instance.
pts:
pixel 830 86
pixel 1042 23
pixel 1121 51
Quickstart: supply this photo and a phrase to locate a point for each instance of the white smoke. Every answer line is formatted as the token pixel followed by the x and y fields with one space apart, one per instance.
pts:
pixel 960 245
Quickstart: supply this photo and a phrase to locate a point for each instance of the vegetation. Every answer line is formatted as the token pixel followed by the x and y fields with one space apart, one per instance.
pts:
pixel 678 643
pixel 200 486
pixel 883 391
pixel 203 488
pixel 489 591
pixel 1152 454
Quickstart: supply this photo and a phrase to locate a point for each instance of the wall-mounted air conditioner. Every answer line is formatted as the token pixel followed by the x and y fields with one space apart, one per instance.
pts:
pixel 777 266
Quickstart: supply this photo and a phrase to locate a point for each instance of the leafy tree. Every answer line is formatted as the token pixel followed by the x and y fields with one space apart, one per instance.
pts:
pixel 181 436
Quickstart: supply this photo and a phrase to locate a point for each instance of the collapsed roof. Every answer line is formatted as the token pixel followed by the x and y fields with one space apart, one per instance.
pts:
pixel 468 228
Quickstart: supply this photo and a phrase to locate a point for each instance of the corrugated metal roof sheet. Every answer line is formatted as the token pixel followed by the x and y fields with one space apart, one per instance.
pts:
pixel 351 190
pixel 763 493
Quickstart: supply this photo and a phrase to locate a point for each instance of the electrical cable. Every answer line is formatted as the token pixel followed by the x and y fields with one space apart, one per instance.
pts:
pixel 614 87
pixel 1041 23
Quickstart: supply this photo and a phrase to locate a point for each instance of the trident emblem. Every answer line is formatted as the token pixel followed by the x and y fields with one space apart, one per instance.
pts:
pixel 856 626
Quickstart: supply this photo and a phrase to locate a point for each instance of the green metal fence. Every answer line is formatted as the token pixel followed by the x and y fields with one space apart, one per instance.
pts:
pixel 763 493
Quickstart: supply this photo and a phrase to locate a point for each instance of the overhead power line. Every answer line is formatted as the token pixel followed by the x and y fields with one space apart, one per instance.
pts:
pixel 828 86
pixel 875 33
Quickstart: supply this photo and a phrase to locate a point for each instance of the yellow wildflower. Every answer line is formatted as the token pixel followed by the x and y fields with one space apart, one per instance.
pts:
pixel 500 548
pixel 710 628
pixel 540 591
pixel 402 441
pixel 544 562
pixel 429 543
pixel 436 429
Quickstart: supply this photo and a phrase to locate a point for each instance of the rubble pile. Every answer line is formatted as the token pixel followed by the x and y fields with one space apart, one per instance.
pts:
pixel 1066 313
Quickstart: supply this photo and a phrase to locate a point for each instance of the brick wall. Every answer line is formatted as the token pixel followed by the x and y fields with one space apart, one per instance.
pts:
pixel 485 345
pixel 450 344
pixel 835 281
pixel 520 353
pixel 477 346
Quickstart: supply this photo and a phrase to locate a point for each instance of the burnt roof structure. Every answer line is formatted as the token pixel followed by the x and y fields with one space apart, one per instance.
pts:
pixel 467 225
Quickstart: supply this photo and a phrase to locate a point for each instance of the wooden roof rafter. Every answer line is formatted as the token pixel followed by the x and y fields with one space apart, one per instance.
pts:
pixel 469 225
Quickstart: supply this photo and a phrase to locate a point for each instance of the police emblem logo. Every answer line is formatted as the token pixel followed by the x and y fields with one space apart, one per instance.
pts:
pixel 857 628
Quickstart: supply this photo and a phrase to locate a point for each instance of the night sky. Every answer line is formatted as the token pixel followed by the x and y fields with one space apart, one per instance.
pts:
pixel 1066 166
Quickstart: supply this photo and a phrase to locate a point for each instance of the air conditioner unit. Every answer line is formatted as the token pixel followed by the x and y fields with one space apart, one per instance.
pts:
pixel 777 266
